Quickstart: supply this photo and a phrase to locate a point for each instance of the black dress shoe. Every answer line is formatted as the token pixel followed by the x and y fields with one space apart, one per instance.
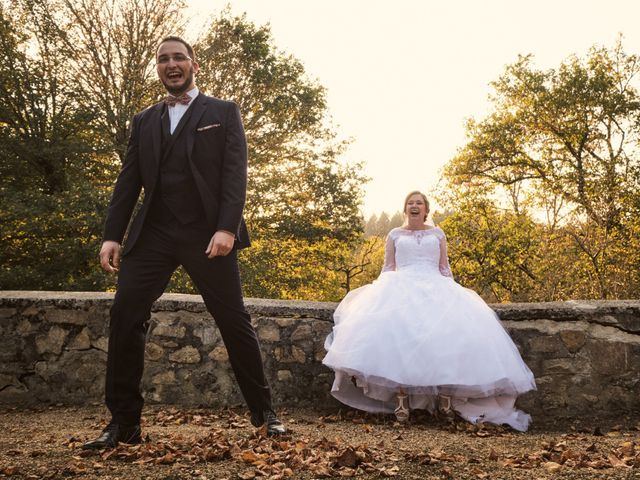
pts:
pixel 114 434
pixel 268 417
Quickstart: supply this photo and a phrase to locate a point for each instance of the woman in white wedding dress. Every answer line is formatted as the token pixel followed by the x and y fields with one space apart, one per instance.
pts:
pixel 415 339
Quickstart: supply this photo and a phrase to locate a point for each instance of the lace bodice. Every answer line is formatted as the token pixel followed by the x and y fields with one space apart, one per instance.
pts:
pixel 416 249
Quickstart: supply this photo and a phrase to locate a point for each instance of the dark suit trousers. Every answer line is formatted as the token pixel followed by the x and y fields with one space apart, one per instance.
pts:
pixel 144 274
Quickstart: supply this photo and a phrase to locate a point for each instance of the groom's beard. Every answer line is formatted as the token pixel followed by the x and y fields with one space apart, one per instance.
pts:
pixel 183 86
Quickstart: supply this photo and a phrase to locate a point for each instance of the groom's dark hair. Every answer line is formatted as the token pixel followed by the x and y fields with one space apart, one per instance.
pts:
pixel 174 38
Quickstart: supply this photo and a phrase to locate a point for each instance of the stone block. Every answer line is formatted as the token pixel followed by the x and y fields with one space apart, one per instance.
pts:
pixel 555 402
pixel 90 375
pixel 208 335
pixel 101 343
pixel 547 379
pixel 52 342
pixel 30 311
pixel 303 332
pixel 556 366
pixel 25 327
pixel 527 402
pixel 15 394
pixel 165 318
pixel 591 399
pixel 202 377
pixel 186 354
pixel 295 355
pixel 66 317
pixel 321 328
pixel 286 322
pixel 170 331
pixel 74 376
pixel 41 369
pixel 318 351
pixel 193 320
pixel 153 351
pixel 548 344
pixel 608 358
pixel 80 341
pixel 583 379
pixel 7 312
pixel 219 354
pixel 167 377
pixel 53 374
pixel 574 340
pixel 268 333
pixel 98 321
pixel 284 375
pixel 7 380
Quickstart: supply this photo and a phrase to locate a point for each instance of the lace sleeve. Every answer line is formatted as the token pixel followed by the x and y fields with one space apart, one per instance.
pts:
pixel 389 254
pixel 443 265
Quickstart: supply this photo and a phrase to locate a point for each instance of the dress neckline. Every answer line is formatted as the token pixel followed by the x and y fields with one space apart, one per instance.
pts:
pixel 417 230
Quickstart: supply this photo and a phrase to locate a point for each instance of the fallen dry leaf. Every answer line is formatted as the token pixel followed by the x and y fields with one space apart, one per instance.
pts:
pixel 551 466
pixel 10 470
pixel 617 462
pixel 347 458
pixel 390 472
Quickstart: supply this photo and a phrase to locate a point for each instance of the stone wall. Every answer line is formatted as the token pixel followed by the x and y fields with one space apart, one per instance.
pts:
pixel 585 355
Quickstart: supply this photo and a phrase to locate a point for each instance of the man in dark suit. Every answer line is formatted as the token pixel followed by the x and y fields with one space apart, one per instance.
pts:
pixel 189 154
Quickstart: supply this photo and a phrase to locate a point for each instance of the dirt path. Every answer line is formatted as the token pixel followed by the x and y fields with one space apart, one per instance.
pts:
pixel 220 444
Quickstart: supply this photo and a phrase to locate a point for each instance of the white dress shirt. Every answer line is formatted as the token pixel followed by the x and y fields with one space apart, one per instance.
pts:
pixel 177 111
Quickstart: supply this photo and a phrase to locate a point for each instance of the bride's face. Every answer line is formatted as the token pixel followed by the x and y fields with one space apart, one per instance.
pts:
pixel 416 209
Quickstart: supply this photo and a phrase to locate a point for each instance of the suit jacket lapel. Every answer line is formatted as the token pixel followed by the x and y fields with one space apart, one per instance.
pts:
pixel 155 124
pixel 199 107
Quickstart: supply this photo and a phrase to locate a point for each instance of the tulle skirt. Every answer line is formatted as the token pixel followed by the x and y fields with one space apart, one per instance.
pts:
pixel 426 334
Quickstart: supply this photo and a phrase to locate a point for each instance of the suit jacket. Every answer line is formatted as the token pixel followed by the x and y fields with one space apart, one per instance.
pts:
pixel 217 155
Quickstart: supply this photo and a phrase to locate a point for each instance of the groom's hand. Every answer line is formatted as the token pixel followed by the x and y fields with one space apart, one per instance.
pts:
pixel 221 244
pixel 110 256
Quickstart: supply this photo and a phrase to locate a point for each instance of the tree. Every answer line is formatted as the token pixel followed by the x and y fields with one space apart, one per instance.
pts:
pixel 568 138
pixel 492 251
pixel 353 263
pixel 397 220
pixel 75 72
pixel 302 204
pixel 291 268
pixel 370 226
pixel 109 46
pixel 50 218
pixel 42 117
pixel 297 187
pixel 384 224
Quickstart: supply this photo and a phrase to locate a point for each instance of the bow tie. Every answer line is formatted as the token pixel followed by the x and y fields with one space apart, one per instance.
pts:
pixel 183 99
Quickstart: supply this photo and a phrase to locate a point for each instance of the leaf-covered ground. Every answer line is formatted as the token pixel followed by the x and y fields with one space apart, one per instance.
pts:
pixel 220 444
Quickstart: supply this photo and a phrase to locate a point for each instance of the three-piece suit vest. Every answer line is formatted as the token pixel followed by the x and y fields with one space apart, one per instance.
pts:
pixel 176 194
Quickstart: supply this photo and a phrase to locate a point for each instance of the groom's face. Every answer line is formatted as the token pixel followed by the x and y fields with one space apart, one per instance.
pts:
pixel 176 69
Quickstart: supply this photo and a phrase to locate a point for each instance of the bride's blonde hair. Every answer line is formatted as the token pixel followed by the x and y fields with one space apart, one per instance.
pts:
pixel 411 194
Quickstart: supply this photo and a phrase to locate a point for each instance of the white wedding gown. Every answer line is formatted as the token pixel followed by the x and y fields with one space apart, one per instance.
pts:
pixel 415 328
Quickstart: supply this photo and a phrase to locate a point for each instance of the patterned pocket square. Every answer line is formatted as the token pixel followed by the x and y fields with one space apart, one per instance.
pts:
pixel 207 127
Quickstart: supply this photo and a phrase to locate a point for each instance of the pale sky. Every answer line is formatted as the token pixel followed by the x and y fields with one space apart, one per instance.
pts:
pixel 403 76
